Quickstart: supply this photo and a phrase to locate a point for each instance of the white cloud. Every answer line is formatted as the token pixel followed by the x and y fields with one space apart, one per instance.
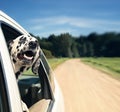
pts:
pixel 74 21
pixel 61 20
pixel 54 31
pixel 62 24
pixel 37 27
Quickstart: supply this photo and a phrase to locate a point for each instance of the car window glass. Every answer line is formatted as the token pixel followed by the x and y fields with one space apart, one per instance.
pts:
pixel 48 70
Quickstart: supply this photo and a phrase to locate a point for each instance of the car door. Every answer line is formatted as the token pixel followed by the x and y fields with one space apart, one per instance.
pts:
pixel 4 106
pixel 34 90
pixel 9 94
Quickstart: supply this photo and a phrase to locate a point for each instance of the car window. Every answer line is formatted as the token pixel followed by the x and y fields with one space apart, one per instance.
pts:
pixel 9 32
pixel 3 97
pixel 35 90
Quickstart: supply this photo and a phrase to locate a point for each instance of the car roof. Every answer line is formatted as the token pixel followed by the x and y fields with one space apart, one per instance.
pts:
pixel 5 18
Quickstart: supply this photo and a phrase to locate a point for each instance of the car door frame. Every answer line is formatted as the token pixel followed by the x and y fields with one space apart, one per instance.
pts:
pixel 4 55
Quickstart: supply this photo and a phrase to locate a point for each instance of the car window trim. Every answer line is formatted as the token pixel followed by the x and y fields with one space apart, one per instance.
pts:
pixel 45 82
pixel 2 57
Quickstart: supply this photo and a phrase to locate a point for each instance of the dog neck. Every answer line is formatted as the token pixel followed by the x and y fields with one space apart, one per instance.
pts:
pixel 19 69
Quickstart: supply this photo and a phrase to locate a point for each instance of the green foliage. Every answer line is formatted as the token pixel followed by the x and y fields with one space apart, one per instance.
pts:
pixel 48 53
pixel 108 65
pixel 60 45
pixel 54 62
pixel 93 45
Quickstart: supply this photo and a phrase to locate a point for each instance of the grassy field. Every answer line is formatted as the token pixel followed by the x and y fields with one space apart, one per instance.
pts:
pixel 109 65
pixel 54 62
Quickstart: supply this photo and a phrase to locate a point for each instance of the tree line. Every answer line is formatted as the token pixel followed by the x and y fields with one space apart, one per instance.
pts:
pixel 92 45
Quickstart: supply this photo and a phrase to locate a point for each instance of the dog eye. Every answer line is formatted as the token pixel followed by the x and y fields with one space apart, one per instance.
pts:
pixel 32 44
pixel 36 41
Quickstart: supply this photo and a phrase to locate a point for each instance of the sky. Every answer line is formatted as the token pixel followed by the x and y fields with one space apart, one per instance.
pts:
pixel 77 17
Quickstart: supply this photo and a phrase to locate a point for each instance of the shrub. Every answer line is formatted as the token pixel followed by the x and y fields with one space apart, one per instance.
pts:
pixel 48 53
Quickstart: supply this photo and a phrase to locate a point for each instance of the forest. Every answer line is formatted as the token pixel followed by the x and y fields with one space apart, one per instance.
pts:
pixel 92 45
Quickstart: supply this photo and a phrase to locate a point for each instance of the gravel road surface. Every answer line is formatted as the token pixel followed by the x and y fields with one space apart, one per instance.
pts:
pixel 86 89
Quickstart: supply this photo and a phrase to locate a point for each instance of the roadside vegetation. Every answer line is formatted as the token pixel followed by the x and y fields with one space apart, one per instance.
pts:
pixel 110 66
pixel 54 62
pixel 92 45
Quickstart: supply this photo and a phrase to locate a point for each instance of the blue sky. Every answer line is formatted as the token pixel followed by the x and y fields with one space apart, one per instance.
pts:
pixel 78 17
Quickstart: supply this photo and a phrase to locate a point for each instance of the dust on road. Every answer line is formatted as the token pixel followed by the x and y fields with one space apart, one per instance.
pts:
pixel 86 89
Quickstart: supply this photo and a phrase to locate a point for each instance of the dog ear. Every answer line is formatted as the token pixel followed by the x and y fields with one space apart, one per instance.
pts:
pixel 10 42
pixel 36 65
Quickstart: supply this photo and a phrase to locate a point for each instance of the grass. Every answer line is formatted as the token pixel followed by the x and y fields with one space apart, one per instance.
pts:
pixel 28 72
pixel 54 62
pixel 109 65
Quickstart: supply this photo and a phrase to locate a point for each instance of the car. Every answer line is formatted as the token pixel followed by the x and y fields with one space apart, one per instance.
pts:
pixel 41 93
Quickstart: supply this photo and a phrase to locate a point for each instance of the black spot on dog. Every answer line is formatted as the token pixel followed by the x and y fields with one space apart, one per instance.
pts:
pixel 12 55
pixel 17 47
pixel 21 51
pixel 17 50
pixel 22 40
pixel 24 48
pixel 14 61
pixel 22 68
pixel 36 41
pixel 17 74
pixel 28 68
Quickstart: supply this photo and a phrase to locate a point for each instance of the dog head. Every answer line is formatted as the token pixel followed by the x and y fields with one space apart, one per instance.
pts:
pixel 24 51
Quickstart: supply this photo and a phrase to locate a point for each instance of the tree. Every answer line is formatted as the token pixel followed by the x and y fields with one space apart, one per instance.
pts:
pixel 65 45
pixel 65 42
pixel 74 49
pixel 90 49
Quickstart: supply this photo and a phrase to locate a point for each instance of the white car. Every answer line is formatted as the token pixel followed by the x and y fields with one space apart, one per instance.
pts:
pixel 40 93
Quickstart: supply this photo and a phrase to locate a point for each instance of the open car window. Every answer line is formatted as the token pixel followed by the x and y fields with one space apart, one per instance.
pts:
pixel 35 90
pixel 9 32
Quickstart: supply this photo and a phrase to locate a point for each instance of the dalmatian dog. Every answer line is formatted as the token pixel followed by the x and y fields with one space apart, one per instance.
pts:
pixel 24 53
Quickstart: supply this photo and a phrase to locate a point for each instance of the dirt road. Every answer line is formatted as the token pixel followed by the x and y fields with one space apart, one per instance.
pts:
pixel 86 89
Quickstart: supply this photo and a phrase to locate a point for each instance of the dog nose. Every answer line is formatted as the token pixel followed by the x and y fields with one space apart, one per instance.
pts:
pixel 32 45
